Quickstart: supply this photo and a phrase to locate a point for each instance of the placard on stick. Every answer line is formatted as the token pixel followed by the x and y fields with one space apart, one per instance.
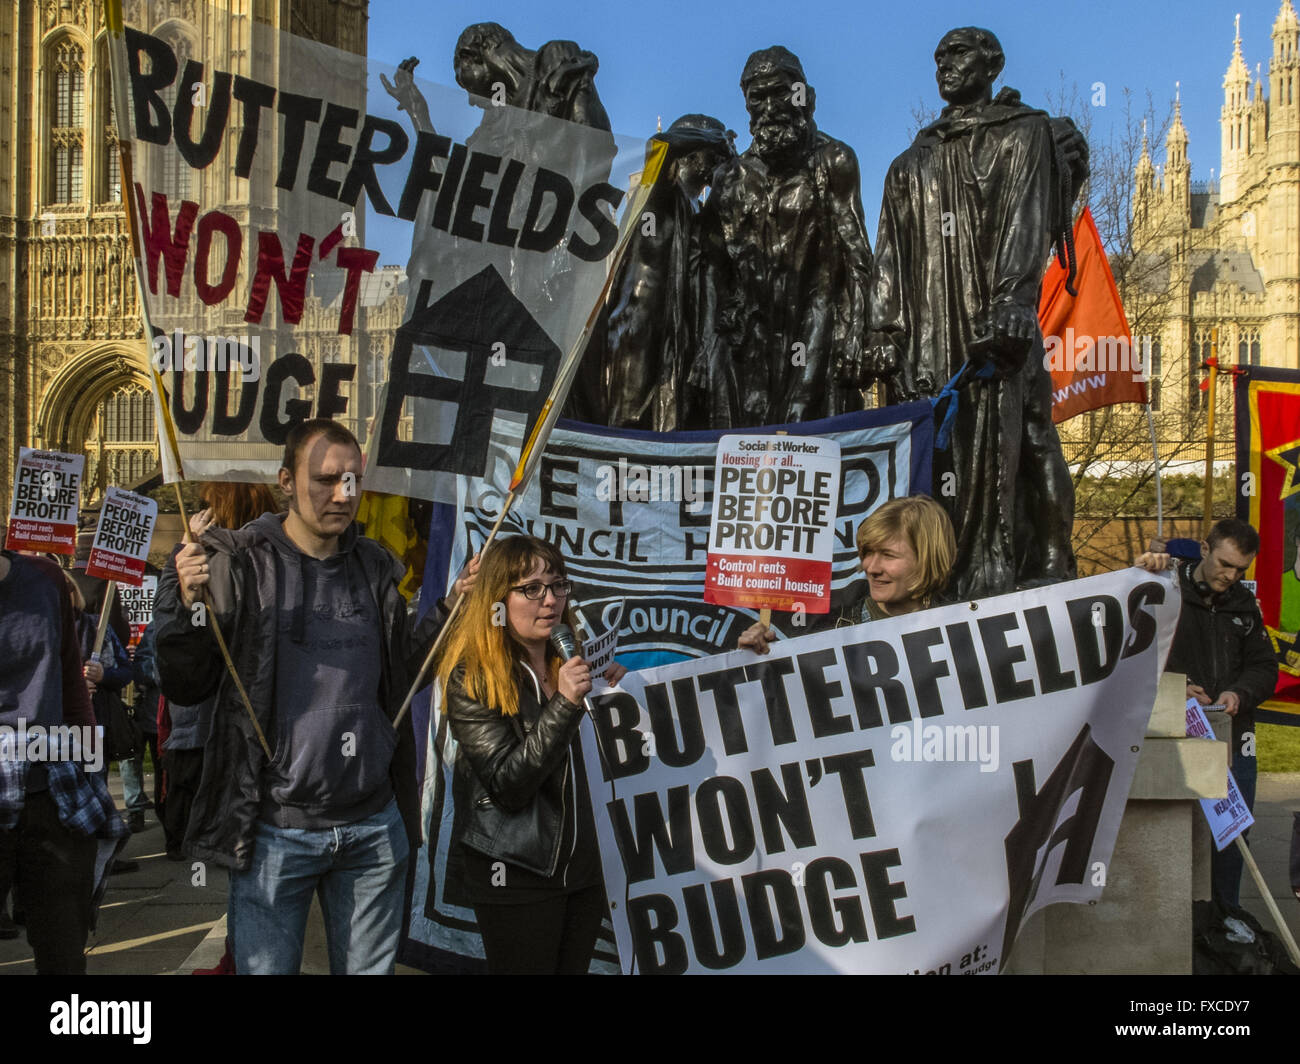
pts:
pixel 126 522
pixel 137 602
pixel 771 538
pixel 43 514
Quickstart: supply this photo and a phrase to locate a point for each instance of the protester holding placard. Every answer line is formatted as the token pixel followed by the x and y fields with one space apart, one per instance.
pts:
pixel 528 859
pixel 1223 649
pixel 318 634
pixel 907 549
pixel 107 674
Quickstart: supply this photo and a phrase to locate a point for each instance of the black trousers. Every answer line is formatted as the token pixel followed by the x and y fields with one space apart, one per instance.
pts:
pixel 52 871
pixel 552 936
pixel 184 769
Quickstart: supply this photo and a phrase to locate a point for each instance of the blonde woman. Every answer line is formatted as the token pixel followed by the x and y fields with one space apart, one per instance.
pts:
pixel 524 852
pixel 906 547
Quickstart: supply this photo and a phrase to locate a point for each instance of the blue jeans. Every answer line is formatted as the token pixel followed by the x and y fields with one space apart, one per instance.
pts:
pixel 132 770
pixel 1226 864
pixel 359 872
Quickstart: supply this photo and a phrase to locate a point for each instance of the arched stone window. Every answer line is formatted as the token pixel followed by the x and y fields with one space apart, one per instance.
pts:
pixel 67 109
pixel 122 439
pixel 110 174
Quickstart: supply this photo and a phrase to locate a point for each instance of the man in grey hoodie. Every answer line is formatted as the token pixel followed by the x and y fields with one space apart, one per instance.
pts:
pixel 319 636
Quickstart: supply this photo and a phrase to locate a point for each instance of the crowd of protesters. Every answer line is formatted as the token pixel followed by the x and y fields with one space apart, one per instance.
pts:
pixel 297 780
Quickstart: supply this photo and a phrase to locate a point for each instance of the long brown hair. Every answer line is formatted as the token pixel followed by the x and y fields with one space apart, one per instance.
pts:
pixel 234 505
pixel 481 639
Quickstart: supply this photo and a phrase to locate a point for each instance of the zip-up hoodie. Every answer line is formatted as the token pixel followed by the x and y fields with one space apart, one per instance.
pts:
pixel 257 589
pixel 332 744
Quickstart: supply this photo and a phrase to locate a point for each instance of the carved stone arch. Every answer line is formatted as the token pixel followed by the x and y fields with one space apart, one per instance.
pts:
pixel 66 29
pixel 172 29
pixel 65 418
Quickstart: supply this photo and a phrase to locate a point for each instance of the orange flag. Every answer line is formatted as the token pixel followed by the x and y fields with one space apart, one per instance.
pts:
pixel 1089 349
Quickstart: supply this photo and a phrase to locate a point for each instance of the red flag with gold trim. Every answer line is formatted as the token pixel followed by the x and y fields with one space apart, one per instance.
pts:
pixel 1268 496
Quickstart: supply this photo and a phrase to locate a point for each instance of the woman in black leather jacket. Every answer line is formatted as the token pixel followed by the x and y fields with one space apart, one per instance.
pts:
pixel 524 841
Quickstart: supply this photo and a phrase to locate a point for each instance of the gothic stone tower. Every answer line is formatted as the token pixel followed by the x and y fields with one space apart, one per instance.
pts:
pixel 73 369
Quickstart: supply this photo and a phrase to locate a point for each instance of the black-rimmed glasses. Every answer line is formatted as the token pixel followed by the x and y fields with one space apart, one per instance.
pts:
pixel 536 591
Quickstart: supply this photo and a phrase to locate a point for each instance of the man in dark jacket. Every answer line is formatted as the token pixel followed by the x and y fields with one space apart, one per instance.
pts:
pixel 1222 648
pixel 319 637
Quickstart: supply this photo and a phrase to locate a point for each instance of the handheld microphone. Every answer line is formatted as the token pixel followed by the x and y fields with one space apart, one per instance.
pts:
pixel 562 639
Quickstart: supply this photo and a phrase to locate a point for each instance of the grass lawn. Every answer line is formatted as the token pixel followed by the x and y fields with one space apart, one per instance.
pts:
pixel 1278 747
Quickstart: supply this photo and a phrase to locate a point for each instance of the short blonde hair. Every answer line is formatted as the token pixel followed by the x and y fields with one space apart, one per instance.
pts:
pixel 924 524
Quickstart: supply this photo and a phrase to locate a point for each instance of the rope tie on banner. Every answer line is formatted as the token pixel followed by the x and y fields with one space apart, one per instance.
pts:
pixel 951 392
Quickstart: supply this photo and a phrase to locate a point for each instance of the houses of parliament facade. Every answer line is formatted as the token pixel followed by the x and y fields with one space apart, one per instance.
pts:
pixel 1214 259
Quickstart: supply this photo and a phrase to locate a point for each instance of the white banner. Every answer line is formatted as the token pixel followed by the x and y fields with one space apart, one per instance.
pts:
pixel 630 512
pixel 309 250
pixel 890 798
pixel 636 544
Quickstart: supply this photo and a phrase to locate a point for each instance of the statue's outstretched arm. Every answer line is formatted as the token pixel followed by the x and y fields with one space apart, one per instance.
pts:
pixel 408 96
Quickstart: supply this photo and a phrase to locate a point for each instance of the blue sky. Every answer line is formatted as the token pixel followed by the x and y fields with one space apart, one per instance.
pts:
pixel 871 64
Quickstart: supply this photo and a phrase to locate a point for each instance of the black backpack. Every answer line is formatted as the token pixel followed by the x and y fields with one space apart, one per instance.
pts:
pixel 1215 954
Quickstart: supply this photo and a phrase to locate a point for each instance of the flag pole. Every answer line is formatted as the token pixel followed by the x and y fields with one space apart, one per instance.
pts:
pixel 110 589
pixel 167 444
pixel 1283 931
pixel 1207 507
pixel 451 616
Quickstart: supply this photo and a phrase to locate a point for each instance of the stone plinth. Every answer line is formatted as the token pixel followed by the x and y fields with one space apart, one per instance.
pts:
pixel 1143 923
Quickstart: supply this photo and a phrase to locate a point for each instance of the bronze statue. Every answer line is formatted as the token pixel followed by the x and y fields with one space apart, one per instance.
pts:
pixel 511 84
pixel 655 303
pixel 558 79
pixel 969 214
pixel 787 264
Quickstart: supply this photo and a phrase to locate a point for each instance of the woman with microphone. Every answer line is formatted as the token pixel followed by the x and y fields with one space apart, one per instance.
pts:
pixel 524 841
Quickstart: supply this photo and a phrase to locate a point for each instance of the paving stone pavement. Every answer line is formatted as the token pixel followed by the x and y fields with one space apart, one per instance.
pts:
pixel 151 919
pixel 1277 800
